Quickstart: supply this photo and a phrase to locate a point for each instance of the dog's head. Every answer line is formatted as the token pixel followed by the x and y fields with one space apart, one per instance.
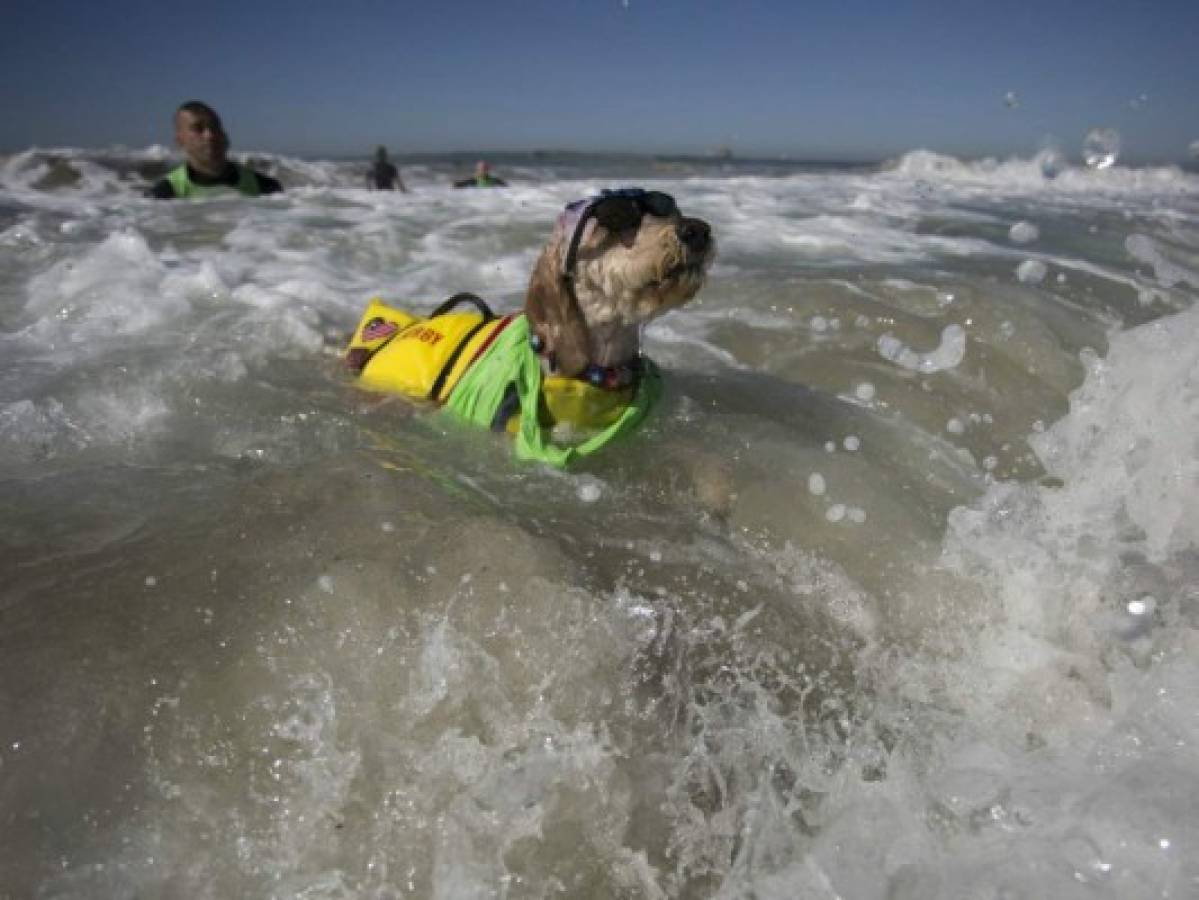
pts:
pixel 614 262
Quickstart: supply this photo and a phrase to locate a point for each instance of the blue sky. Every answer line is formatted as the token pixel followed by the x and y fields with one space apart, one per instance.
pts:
pixel 803 79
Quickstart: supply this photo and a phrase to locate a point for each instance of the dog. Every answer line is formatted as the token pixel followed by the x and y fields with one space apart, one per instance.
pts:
pixel 566 376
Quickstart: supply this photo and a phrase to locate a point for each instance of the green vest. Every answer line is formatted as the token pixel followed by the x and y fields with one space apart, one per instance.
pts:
pixel 510 360
pixel 247 184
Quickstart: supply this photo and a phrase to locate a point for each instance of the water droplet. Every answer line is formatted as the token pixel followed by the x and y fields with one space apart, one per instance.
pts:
pixel 816 485
pixel 1023 233
pixel 589 491
pixel 1051 162
pixel 1142 606
pixel 1010 100
pixel 1031 271
pixel 1101 148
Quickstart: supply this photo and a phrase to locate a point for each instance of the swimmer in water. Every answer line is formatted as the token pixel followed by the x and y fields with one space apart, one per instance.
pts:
pixel 207 170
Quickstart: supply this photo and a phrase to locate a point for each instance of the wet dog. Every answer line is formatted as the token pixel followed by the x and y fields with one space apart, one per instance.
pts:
pixel 567 375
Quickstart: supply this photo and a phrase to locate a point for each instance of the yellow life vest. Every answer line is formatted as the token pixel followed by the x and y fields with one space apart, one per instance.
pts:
pixel 397 352
pixel 484 370
pixel 421 358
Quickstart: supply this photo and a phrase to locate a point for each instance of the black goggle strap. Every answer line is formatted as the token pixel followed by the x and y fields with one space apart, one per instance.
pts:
pixel 572 251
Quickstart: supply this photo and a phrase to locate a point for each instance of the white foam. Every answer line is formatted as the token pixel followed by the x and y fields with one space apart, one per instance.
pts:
pixel 948 354
pixel 1143 248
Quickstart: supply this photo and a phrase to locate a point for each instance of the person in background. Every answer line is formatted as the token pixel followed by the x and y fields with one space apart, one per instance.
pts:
pixel 207 170
pixel 481 178
pixel 383 175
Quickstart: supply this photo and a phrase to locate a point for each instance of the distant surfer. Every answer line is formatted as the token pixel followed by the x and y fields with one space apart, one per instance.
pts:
pixel 481 178
pixel 383 175
pixel 207 170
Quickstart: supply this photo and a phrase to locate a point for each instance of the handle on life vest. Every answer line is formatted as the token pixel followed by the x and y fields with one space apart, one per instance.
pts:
pixel 465 297
pixel 488 316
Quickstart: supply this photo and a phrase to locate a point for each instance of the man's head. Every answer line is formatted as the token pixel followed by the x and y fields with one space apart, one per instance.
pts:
pixel 381 154
pixel 481 168
pixel 201 136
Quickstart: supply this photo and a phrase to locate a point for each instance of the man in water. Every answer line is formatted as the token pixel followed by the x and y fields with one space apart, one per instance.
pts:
pixel 481 178
pixel 383 175
pixel 207 170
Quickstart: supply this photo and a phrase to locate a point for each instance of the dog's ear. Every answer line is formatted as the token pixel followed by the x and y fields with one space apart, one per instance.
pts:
pixel 555 316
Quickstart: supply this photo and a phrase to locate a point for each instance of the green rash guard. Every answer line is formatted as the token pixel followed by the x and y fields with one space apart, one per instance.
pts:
pixel 181 182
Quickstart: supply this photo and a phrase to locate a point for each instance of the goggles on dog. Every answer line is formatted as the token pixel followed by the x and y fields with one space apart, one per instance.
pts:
pixel 615 210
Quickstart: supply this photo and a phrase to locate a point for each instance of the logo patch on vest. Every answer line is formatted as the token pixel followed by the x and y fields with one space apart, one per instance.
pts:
pixel 378 328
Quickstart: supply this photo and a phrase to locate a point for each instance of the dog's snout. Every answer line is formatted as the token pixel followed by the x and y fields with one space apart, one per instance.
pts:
pixel 695 234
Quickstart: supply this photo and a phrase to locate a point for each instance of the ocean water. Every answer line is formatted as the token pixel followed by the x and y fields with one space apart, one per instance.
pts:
pixel 896 596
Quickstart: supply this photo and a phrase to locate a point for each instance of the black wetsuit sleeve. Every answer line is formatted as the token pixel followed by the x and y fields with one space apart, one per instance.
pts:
pixel 267 185
pixel 161 190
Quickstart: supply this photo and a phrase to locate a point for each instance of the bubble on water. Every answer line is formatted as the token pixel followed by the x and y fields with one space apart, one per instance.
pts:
pixel 1023 233
pixel 388 527
pixel 818 323
pixel 151 581
pixel 830 447
pixel 1031 271
pixel 325 583
pixel 864 391
pixel 836 512
pixel 589 490
pixel 851 443
pixel 1010 100
pixel 816 485
pixel 1006 329
pixel 1061 277
pixel 1101 148
pixel 857 515
pixel 955 426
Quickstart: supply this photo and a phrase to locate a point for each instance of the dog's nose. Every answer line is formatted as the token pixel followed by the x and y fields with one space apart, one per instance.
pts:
pixel 694 233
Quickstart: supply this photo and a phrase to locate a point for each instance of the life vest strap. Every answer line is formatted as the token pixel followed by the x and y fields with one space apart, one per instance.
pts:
pixel 452 360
